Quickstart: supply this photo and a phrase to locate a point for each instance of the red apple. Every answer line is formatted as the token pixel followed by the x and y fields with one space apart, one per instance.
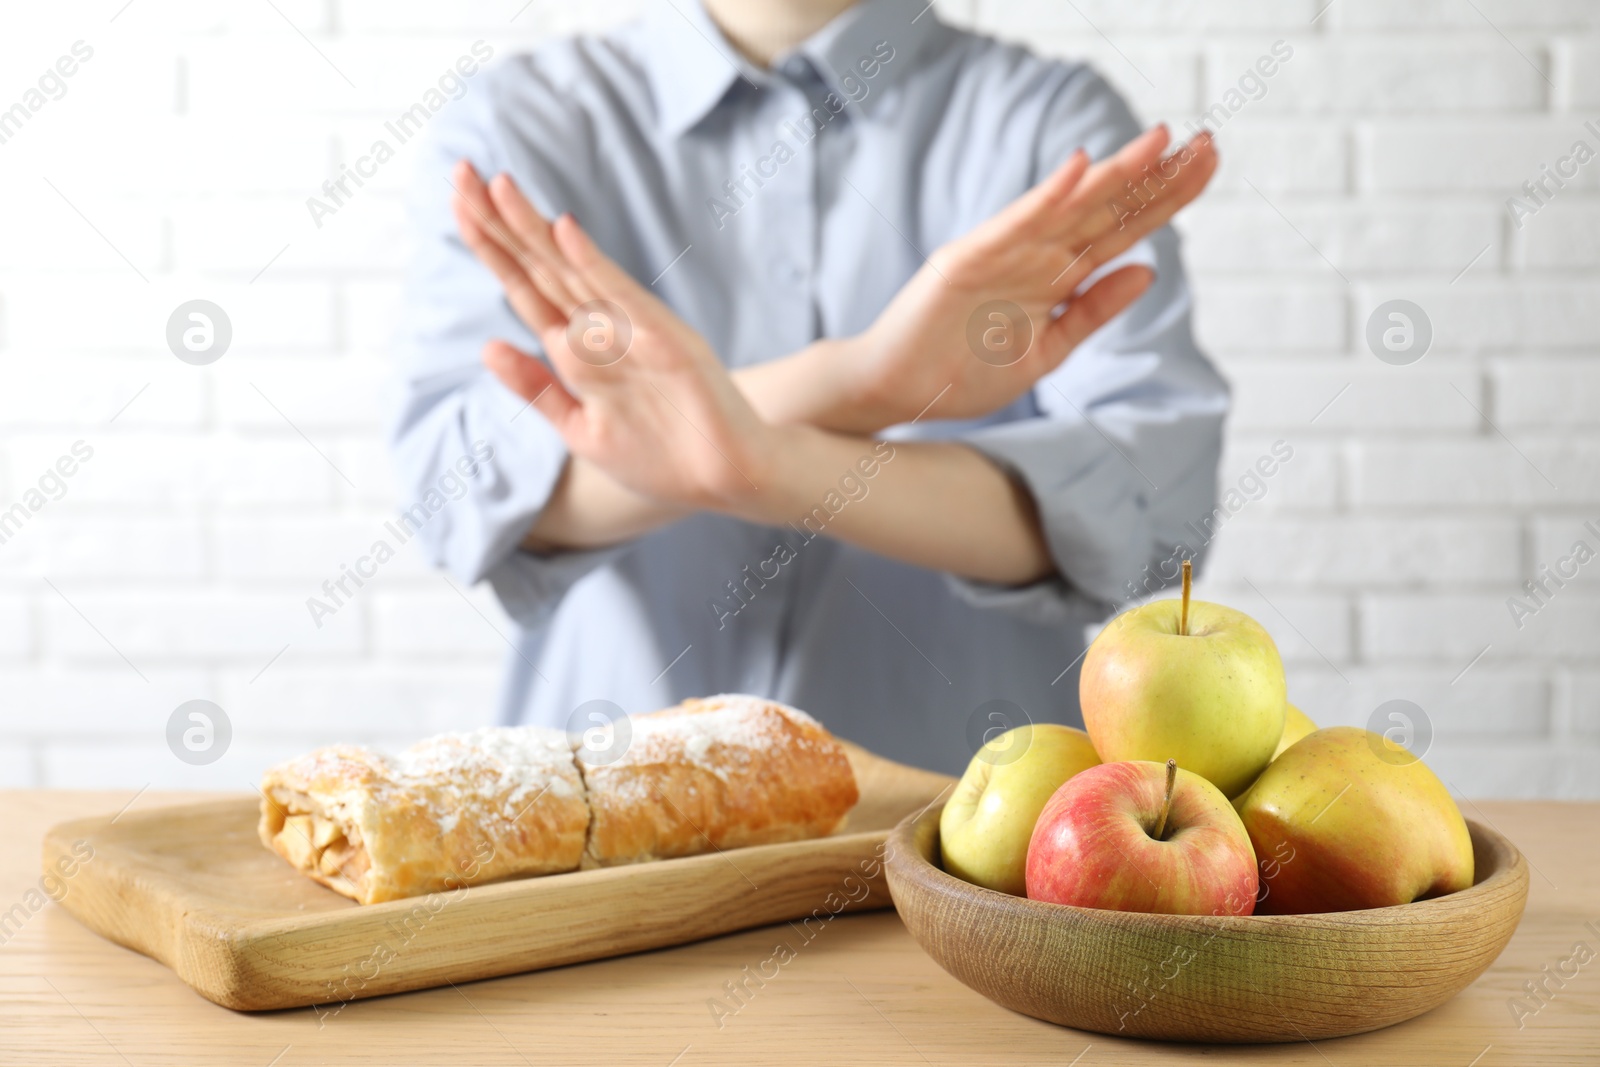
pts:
pixel 1137 836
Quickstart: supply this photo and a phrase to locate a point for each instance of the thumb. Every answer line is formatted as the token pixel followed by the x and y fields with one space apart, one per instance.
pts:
pixel 530 378
pixel 1102 302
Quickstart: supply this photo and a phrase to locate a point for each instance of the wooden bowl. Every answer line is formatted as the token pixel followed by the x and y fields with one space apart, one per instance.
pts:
pixel 1256 978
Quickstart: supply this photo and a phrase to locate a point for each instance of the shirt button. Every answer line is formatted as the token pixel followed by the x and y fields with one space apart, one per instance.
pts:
pixel 787 271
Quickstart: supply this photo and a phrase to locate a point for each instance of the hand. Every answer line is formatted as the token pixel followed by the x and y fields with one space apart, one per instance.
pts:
pixel 1033 255
pixel 639 394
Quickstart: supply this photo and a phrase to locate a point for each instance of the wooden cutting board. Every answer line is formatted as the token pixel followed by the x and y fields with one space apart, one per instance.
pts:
pixel 193 887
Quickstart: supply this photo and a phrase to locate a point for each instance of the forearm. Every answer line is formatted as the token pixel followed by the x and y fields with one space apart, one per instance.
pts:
pixel 934 504
pixel 589 509
pixel 814 386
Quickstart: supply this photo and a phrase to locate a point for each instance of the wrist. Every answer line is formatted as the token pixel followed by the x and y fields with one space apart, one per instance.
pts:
pixel 777 455
pixel 824 384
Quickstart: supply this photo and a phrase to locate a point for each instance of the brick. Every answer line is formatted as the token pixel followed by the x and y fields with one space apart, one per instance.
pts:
pixel 371 312
pixel 308 550
pixel 1576 60
pixel 1516 771
pixel 52 237
pixel 1474 472
pixel 1368 77
pixel 1351 395
pixel 432 624
pixel 1543 393
pixel 1173 73
pixel 1270 316
pixel 79 392
pixel 393 16
pixel 326 394
pixel 1453 628
pixel 408 700
pixel 1553 537
pixel 1107 15
pixel 1305 626
pixel 1247 235
pixel 368 234
pixel 1481 704
pixel 126 549
pixel 16 767
pixel 160 470
pixel 1364 553
pixel 167 625
pixel 370 465
pixel 1480 155
pixel 1561 234
pixel 134 763
pixel 1309 480
pixel 88 700
pixel 235 76
pixel 130 316
pixel 201 17
pixel 16 627
pixel 1483 314
pixel 1583 713
pixel 193 154
pixel 1276 155
pixel 1480 15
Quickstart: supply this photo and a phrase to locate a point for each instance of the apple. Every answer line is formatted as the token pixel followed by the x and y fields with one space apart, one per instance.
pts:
pixel 1137 836
pixel 985 825
pixel 1296 724
pixel 1347 819
pixel 1196 682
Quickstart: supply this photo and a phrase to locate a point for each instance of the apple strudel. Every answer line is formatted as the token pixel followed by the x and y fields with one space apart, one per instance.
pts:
pixel 508 802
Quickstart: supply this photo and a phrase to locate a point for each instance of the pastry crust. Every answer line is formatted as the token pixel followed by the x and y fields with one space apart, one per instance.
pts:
pixel 715 773
pixel 454 810
pixel 461 809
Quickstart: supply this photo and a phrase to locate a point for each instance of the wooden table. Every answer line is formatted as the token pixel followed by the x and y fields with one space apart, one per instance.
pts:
pixel 860 993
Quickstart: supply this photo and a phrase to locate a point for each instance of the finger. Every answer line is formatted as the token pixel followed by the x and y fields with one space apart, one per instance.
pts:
pixel 1120 223
pixel 1110 178
pixel 1172 185
pixel 526 300
pixel 1024 213
pixel 1102 302
pixel 532 380
pixel 600 273
pixel 533 230
pixel 471 189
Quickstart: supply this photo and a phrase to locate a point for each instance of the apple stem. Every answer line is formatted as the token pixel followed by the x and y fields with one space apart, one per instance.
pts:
pixel 1166 801
pixel 1183 616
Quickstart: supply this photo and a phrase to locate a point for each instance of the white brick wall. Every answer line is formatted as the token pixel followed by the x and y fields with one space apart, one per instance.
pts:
pixel 1376 165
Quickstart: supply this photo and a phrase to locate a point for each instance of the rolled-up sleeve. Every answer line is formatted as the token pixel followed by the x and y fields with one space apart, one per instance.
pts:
pixel 1121 454
pixel 453 415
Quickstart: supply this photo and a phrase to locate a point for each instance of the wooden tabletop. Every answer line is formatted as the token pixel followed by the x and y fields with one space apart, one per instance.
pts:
pixel 860 992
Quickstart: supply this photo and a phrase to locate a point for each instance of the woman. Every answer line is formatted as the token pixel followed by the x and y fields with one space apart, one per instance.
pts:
pixel 810 425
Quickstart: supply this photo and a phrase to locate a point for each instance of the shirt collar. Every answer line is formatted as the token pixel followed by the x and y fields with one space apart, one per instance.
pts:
pixel 692 66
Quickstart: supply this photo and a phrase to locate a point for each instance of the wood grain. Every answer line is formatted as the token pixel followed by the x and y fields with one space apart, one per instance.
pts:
pixel 1253 978
pixel 862 991
pixel 194 888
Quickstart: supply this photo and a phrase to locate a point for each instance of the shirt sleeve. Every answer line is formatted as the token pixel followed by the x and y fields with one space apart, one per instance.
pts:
pixel 1120 453
pixel 480 461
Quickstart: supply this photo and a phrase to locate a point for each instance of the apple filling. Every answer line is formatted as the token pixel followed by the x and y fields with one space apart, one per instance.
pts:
pixel 318 845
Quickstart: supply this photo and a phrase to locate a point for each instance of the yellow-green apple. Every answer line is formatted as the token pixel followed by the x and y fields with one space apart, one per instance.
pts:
pixel 1347 819
pixel 1296 724
pixel 985 825
pixel 1137 836
pixel 1196 682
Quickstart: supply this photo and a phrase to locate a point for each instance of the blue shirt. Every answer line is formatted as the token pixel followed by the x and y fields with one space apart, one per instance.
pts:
pixel 771 208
